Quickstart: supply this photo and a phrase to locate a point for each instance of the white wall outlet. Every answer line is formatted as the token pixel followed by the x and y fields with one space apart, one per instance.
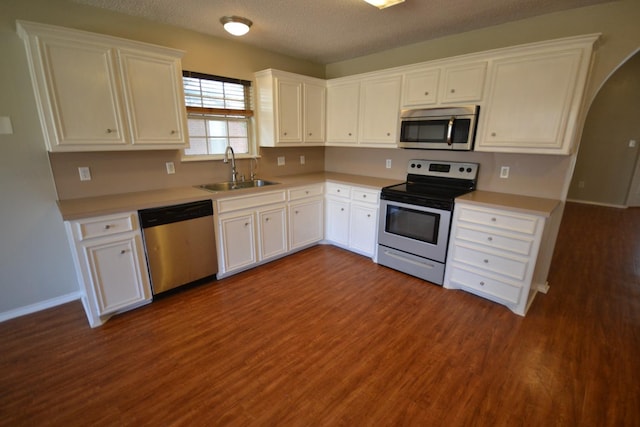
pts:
pixel 280 160
pixel 388 164
pixel 302 160
pixel 171 168
pixel 504 171
pixel 85 173
pixel 632 143
pixel 580 184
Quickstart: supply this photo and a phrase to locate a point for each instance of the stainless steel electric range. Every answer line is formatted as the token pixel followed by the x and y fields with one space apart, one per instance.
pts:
pixel 415 217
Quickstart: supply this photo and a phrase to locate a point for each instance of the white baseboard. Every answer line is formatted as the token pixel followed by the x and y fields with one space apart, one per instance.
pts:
pixel 39 306
pixel 608 205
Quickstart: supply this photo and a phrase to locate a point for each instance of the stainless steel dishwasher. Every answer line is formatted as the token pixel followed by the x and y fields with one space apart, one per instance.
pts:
pixel 179 244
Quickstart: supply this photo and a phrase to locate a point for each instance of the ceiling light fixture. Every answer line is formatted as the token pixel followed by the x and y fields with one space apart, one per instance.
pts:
pixel 381 4
pixel 236 25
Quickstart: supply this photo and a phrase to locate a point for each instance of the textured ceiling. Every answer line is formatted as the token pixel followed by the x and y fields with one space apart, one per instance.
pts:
pixel 327 31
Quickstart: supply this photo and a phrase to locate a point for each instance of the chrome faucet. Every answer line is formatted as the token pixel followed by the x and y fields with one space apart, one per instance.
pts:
pixel 234 172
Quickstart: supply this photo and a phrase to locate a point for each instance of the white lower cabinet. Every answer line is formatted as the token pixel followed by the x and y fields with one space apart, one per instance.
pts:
pixel 237 233
pixel 493 254
pixel 109 258
pixel 352 217
pixel 306 216
pixel 272 232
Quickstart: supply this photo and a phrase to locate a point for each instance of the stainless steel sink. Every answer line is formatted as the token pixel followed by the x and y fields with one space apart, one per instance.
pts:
pixel 227 186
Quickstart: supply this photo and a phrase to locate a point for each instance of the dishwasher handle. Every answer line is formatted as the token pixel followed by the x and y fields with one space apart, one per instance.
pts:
pixel 169 214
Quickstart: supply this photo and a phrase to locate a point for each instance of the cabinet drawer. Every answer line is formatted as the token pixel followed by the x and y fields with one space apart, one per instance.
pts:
pixel 495 240
pixel 364 195
pixel 490 288
pixel 106 225
pixel 500 219
pixel 510 267
pixel 306 191
pixel 250 201
pixel 338 190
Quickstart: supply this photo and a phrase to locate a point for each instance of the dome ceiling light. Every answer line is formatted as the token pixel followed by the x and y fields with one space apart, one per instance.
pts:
pixel 236 25
pixel 381 4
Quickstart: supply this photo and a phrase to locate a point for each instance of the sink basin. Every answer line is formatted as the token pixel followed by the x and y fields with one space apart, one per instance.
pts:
pixel 226 186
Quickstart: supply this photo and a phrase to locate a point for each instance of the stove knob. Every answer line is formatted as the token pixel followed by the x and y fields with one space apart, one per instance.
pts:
pixel 413 165
pixel 419 165
pixel 461 169
pixel 469 170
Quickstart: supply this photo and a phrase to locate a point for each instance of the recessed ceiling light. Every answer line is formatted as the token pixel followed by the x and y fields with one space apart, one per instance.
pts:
pixel 236 25
pixel 381 4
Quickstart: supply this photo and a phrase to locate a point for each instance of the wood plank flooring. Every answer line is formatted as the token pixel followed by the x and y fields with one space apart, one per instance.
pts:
pixel 328 338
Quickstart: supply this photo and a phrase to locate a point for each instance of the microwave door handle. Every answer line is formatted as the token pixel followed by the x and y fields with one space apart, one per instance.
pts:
pixel 450 130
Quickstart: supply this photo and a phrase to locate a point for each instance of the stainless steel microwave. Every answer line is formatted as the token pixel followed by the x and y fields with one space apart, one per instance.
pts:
pixel 450 128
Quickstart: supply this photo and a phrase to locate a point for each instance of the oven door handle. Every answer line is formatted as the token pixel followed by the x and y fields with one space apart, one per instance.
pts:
pixel 450 130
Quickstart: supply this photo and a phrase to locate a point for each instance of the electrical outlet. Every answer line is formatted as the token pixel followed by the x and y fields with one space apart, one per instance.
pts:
pixel 280 160
pixel 171 168
pixel 302 161
pixel 632 143
pixel 85 173
pixel 580 184
pixel 388 164
pixel 504 172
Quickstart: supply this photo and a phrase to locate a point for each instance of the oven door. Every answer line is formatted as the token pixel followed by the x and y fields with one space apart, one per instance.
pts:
pixel 413 229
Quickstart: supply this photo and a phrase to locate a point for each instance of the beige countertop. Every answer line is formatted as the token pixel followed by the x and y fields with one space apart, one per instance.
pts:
pixel 102 205
pixel 515 202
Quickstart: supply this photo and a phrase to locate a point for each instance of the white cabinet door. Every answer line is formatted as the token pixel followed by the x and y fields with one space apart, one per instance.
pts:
pixel 154 95
pixel 379 110
pixel 363 229
pixel 238 243
pixel 314 112
pixel 272 232
pixel 79 111
pixel 289 110
pixel 343 102
pixel 337 221
pixel 116 273
pixel 463 83
pixel 420 87
pixel 306 219
pixel 529 103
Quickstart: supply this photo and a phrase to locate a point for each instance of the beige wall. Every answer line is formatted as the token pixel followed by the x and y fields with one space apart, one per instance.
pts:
pixel 605 163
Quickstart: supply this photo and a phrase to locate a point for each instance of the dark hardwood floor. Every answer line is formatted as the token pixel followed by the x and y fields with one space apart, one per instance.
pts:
pixel 328 338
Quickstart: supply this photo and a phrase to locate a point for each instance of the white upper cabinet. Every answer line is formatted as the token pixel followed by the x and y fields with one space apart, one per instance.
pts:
pixel 290 109
pixel 534 99
pixel 463 83
pixel 343 103
pixel 380 110
pixel 101 93
pixel 421 87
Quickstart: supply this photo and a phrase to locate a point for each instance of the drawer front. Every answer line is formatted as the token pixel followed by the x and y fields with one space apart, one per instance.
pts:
pixel 511 267
pixel 364 195
pixel 338 190
pixel 500 219
pixel 106 225
pixel 495 240
pixel 250 201
pixel 306 191
pixel 490 288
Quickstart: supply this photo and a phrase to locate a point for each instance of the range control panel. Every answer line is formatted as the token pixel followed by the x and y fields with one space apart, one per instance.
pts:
pixel 443 169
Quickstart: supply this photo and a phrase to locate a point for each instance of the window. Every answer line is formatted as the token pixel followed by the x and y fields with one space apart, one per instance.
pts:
pixel 218 115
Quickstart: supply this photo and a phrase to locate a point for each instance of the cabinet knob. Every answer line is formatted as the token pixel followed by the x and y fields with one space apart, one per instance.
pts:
pixel 246 224
pixel 123 251
pixel 173 132
pixel 349 133
pixel 493 134
pixel 310 133
pixel 108 226
pixel 112 130
pixel 266 219
pixel 364 196
pixel 306 192
pixel 341 209
pixel 296 212
pixel 388 133
pixel 426 93
pixel 338 190
pixel 490 239
pixel 481 283
pixel 285 134
pixel 453 91
pixel 486 261
pixel 493 219
pixel 368 215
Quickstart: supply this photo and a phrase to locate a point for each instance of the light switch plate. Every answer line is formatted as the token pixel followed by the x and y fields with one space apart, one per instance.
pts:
pixel 280 160
pixel 5 126
pixel 504 172
pixel 85 173
pixel 302 160
pixel 171 168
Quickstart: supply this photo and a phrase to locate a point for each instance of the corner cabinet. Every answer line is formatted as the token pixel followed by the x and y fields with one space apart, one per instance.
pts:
pixel 110 264
pixel 494 252
pixel 534 98
pixel 290 109
pixel 101 93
